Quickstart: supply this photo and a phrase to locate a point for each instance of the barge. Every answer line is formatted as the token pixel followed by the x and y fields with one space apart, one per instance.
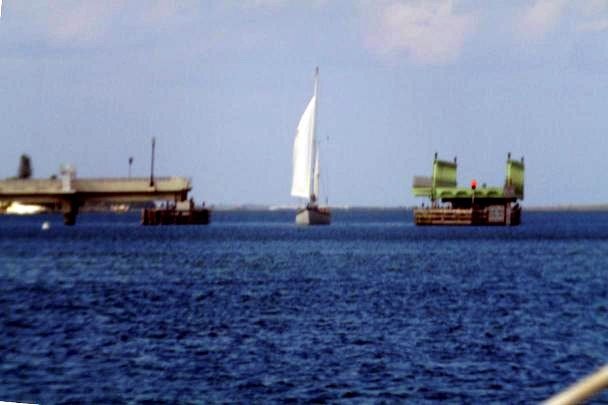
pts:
pixel 453 205
pixel 178 214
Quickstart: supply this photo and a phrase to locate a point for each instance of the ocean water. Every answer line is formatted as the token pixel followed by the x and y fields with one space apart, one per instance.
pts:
pixel 253 309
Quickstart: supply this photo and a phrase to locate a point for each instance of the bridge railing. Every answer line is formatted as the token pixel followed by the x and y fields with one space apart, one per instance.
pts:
pixel 131 184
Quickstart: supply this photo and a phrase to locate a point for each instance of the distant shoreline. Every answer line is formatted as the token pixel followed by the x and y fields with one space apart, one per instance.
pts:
pixel 271 208
pixel 539 208
pixel 569 208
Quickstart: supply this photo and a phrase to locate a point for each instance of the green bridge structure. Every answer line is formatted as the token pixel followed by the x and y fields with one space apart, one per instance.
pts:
pixel 469 205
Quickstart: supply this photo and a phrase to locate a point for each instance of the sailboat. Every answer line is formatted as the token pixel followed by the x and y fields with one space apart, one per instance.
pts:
pixel 306 173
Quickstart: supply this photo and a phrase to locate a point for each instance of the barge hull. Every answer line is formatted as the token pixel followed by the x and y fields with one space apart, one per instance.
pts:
pixel 497 215
pixel 154 216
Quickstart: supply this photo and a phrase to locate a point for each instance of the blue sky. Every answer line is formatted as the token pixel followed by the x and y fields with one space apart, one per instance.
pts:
pixel 222 84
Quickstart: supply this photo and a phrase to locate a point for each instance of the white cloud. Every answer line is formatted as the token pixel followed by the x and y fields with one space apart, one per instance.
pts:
pixel 540 18
pixel 84 22
pixel 265 3
pixel 90 22
pixel 429 32
pixel 593 7
pixel 596 25
pixel 81 21
pixel 279 3
pixel 594 15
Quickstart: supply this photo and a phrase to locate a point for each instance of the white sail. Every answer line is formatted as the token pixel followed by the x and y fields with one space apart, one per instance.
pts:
pixel 303 152
pixel 0 8
pixel 317 174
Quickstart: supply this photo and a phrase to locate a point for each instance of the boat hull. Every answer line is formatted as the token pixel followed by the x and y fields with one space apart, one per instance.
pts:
pixel 313 216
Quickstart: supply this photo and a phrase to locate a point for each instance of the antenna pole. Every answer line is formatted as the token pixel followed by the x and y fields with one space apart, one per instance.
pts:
pixel 152 163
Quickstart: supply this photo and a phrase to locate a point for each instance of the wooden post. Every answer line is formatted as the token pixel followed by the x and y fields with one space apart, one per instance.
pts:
pixel 582 390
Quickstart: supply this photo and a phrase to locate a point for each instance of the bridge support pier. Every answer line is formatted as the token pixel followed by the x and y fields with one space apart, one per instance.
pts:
pixel 70 210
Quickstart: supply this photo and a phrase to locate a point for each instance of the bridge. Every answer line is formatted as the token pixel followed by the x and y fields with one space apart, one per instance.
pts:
pixel 70 193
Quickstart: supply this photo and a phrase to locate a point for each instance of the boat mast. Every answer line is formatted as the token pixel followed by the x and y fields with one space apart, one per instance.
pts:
pixel 313 142
pixel 317 174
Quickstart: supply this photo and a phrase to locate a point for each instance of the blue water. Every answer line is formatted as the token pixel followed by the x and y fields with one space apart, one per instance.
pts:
pixel 253 309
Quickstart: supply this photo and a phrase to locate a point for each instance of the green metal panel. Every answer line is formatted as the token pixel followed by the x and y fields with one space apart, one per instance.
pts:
pixel 462 192
pixel 422 192
pixel 422 186
pixel 515 177
pixel 444 174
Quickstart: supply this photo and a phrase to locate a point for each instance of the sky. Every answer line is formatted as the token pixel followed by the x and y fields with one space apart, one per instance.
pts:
pixel 221 86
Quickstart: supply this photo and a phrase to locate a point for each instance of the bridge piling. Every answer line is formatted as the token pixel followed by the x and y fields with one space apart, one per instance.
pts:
pixel 70 211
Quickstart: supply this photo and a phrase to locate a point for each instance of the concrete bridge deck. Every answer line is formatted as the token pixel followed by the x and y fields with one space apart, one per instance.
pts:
pixel 72 193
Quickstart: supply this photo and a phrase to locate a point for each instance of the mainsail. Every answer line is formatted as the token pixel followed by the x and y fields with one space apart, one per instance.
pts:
pixel 303 152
